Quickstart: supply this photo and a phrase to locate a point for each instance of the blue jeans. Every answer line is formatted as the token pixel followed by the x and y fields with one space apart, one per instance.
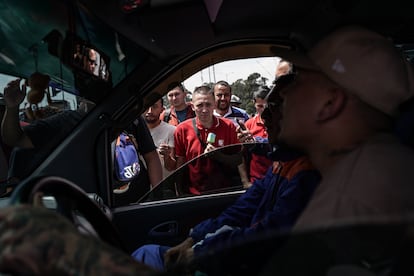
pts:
pixel 151 255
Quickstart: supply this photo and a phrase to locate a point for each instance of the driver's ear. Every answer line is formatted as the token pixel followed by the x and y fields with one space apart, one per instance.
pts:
pixel 332 104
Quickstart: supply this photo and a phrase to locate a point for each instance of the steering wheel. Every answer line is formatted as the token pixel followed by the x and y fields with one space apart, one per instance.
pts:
pixel 72 202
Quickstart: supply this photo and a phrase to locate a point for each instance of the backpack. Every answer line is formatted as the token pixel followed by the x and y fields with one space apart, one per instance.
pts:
pixel 126 159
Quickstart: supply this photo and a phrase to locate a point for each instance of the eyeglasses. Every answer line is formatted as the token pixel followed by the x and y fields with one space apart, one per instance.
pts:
pixel 92 61
pixel 274 104
pixel 284 80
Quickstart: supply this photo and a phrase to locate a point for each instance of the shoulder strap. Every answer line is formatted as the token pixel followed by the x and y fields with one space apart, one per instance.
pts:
pixel 198 133
pixel 133 140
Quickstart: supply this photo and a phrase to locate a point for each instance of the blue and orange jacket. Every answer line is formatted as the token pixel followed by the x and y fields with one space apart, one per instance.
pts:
pixel 271 203
pixel 170 116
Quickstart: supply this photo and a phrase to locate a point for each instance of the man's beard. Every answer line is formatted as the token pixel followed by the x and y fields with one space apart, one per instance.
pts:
pixel 223 107
pixel 151 121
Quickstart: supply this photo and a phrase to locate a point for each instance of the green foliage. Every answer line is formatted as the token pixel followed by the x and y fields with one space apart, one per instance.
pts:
pixel 244 89
pixel 250 109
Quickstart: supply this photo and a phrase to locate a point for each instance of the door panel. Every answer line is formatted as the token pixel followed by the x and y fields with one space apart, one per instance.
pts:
pixel 167 222
pixel 166 214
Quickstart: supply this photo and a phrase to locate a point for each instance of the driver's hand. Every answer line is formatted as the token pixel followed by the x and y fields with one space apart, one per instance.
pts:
pixel 181 254
pixel 38 241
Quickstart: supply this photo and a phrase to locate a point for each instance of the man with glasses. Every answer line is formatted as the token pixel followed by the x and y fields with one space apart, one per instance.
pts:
pixel 91 62
pixel 339 107
pixel 340 110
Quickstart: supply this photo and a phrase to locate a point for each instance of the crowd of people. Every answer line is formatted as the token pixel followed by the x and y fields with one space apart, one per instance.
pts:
pixel 160 142
pixel 180 134
pixel 331 114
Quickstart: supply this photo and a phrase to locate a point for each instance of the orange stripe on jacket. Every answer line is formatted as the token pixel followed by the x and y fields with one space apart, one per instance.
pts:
pixel 290 168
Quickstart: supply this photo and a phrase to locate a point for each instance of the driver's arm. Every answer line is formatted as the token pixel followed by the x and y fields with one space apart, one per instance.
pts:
pixel 38 241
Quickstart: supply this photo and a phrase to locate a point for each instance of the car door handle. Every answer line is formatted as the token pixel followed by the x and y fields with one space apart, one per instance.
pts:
pixel 166 229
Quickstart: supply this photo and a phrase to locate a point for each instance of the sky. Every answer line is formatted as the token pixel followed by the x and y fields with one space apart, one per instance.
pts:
pixel 231 71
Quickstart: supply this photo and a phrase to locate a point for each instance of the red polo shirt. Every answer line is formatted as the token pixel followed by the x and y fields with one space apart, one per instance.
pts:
pixel 258 164
pixel 205 173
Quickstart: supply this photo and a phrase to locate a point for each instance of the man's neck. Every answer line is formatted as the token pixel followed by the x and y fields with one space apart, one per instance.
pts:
pixel 153 125
pixel 222 112
pixel 181 107
pixel 323 158
pixel 206 124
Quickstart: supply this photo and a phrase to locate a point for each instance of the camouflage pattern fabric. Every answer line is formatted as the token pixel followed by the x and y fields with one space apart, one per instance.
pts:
pixel 38 241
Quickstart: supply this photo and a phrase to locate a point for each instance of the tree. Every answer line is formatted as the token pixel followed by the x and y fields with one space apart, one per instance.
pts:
pixel 244 89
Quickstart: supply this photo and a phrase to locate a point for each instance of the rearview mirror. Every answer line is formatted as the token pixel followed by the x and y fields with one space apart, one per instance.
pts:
pixel 85 58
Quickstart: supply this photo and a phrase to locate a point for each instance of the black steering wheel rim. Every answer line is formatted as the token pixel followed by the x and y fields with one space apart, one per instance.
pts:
pixel 69 198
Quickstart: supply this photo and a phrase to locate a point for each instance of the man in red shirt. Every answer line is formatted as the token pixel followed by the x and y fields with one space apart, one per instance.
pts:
pixel 190 139
pixel 259 162
pixel 179 110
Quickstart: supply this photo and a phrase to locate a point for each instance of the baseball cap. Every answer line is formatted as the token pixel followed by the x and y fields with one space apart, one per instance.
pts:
pixel 235 99
pixel 363 62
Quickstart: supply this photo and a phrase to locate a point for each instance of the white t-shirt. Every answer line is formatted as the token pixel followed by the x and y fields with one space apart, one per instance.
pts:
pixel 163 133
pixel 374 181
